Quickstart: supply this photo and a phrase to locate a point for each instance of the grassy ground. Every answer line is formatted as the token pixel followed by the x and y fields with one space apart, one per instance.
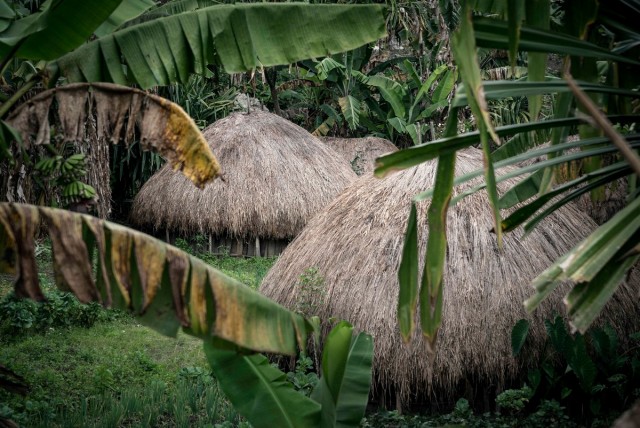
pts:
pixel 102 368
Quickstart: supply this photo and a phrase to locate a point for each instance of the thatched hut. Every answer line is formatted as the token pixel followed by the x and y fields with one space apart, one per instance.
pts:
pixel 361 153
pixel 355 244
pixel 276 176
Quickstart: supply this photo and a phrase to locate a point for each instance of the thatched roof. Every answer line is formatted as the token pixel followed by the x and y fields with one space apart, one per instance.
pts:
pixel 276 176
pixel 356 243
pixel 361 153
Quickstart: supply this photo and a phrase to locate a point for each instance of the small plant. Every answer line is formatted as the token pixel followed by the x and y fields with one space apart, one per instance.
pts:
pixel 311 292
pixel 590 370
pixel 514 400
pixel 357 163
pixel 60 310
pixel 304 379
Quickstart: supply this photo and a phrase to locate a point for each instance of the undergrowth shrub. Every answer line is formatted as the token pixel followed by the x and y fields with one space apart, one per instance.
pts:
pixel 61 310
pixel 591 377
pixel 311 291
pixel 304 379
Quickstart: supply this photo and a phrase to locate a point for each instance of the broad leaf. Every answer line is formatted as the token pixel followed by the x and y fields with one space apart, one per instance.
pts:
pixel 424 89
pixel 445 87
pixel 163 126
pixel 59 28
pixel 162 285
pixel 127 11
pixel 259 391
pixel 343 389
pixel 350 107
pixel 391 91
pixel 245 37
pixel 519 336
pixel 408 277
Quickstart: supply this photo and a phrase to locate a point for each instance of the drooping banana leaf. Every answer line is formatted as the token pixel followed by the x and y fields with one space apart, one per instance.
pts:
pixel 242 36
pixel 164 286
pixel 163 126
pixel 259 391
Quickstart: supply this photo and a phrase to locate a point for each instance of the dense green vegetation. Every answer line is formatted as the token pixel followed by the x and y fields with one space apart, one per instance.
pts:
pixel 89 366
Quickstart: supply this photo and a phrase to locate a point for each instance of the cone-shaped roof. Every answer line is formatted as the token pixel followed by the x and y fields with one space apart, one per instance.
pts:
pixel 276 176
pixel 355 244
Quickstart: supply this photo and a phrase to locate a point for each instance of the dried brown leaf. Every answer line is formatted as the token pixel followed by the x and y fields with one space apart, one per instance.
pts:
pixel 22 222
pixel 70 255
pixel 164 126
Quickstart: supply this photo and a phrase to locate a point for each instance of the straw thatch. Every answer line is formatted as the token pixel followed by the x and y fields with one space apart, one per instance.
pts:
pixel 276 176
pixel 361 153
pixel 355 244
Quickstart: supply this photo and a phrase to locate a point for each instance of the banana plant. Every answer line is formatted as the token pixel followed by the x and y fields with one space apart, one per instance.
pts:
pixel 168 289
pixel 413 102
pixel 173 43
pixel 386 105
pixel 341 75
pixel 599 263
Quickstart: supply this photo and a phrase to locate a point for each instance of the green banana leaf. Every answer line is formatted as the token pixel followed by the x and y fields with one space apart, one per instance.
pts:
pixel 61 26
pixel 259 391
pixel 127 11
pixel 343 389
pixel 241 37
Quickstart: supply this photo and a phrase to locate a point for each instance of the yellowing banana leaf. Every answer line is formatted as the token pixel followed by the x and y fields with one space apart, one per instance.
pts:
pixel 163 126
pixel 242 37
pixel 165 287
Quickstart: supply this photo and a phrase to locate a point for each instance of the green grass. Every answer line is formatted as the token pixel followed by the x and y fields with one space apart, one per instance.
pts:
pixel 67 369
pixel 248 270
pixel 115 372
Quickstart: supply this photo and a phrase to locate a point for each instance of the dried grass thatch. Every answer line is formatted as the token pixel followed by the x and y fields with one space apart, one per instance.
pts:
pixel 361 153
pixel 356 243
pixel 276 176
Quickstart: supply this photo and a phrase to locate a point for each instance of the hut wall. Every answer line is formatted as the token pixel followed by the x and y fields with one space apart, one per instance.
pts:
pixel 246 247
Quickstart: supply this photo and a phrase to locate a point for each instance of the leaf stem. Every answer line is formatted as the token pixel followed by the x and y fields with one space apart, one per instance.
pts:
pixel 10 55
pixel 603 123
pixel 4 108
